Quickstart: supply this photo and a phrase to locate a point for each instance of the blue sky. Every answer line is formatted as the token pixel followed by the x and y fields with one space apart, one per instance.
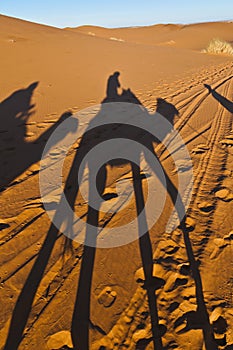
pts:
pixel 119 13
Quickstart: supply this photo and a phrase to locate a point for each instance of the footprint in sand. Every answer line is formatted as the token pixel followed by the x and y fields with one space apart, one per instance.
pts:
pixel 107 297
pixel 219 243
pixel 219 325
pixel 227 141
pixel 205 207
pixel 201 148
pixel 224 194
pixel 3 224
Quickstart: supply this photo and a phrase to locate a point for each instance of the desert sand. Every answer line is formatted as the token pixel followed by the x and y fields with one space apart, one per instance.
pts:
pixel 48 74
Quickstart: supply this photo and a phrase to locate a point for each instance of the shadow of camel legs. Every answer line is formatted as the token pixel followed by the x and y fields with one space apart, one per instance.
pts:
pixel 24 303
pixel 201 313
pixel 81 313
pixel 147 257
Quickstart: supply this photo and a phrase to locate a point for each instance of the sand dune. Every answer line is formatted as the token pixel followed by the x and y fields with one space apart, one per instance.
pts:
pixel 49 73
pixel 192 36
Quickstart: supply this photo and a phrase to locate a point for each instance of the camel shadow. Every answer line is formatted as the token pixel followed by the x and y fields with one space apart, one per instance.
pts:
pixel 116 130
pixel 17 153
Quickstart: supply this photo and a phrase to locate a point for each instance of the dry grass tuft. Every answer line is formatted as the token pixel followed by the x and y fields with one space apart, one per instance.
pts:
pixel 217 46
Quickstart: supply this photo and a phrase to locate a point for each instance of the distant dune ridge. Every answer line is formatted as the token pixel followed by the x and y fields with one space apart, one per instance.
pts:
pixel 192 36
pixel 49 74
pixel 33 52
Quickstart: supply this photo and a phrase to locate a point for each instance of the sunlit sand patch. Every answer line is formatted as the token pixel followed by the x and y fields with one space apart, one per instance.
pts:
pixel 59 340
pixel 116 39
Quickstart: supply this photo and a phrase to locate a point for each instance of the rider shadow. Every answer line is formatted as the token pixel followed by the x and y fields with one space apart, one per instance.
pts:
pixel 17 153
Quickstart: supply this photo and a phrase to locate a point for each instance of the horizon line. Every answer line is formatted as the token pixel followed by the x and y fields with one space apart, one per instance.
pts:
pixel 120 27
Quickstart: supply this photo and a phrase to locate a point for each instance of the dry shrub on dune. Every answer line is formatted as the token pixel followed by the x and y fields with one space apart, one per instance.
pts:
pixel 218 46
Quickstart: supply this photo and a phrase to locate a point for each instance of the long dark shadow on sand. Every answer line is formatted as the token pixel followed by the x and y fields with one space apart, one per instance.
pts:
pixel 200 318
pixel 227 104
pixel 25 300
pixel 14 114
pixel 150 284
